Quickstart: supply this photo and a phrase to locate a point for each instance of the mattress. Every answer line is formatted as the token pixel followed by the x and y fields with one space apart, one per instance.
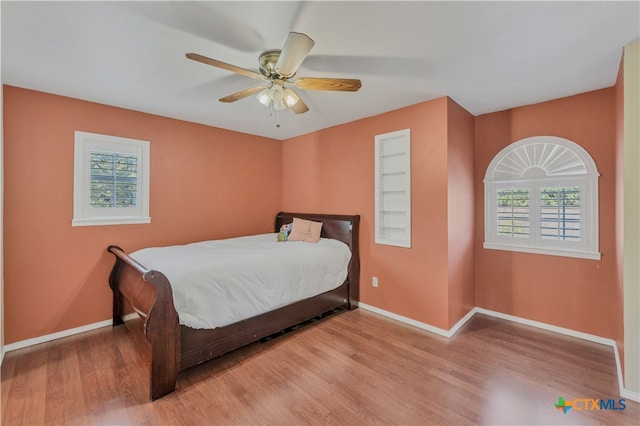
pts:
pixel 220 282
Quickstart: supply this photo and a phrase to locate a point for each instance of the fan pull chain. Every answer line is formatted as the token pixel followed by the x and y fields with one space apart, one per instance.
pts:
pixel 277 115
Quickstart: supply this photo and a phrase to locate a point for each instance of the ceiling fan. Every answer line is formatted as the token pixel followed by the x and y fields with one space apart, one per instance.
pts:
pixel 277 68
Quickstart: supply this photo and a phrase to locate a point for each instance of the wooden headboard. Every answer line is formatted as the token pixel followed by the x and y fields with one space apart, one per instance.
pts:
pixel 345 228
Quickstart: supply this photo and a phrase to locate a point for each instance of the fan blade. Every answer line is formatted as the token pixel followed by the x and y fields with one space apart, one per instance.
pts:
pixel 299 107
pixel 225 66
pixel 295 49
pixel 337 84
pixel 242 94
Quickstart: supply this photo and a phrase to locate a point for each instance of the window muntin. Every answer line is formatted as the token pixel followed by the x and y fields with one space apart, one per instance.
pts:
pixel 512 213
pixel 541 196
pixel 111 180
pixel 560 213
pixel 114 180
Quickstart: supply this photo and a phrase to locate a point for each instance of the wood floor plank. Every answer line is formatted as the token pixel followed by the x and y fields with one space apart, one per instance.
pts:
pixel 353 368
pixel 36 388
pixel 55 401
pixel 17 393
pixel 8 371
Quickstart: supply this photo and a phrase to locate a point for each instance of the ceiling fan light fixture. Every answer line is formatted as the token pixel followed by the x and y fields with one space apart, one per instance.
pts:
pixel 290 97
pixel 264 97
pixel 277 96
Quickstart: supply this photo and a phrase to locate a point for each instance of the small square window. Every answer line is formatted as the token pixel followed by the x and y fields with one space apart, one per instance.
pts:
pixel 111 180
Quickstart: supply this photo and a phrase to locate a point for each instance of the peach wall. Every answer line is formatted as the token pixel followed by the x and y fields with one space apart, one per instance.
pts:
pixel 332 171
pixel 460 211
pixel 577 294
pixel 202 177
pixel 205 183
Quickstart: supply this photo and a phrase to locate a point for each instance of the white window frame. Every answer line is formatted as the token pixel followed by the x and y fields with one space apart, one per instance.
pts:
pixel 86 215
pixel 530 165
pixel 393 188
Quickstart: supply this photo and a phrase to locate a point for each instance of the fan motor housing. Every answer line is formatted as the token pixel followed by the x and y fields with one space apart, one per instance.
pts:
pixel 268 61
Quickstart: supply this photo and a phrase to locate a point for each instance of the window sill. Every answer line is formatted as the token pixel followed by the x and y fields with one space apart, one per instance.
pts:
pixel 396 243
pixel 120 220
pixel 541 250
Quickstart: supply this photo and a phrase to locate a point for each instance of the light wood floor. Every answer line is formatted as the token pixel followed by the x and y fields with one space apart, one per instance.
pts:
pixel 351 368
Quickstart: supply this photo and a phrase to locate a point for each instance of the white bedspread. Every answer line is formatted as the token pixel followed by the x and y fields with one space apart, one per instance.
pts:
pixel 216 283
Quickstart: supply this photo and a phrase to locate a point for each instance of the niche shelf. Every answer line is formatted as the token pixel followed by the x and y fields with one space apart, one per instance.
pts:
pixel 393 188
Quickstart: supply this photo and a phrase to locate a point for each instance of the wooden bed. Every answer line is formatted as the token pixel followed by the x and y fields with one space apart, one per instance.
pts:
pixel 173 347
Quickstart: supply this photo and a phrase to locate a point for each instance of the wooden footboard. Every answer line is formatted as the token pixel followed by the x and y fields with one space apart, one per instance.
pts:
pixel 173 347
pixel 149 293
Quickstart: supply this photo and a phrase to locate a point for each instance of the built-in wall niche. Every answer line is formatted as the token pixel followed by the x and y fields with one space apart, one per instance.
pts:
pixel 393 188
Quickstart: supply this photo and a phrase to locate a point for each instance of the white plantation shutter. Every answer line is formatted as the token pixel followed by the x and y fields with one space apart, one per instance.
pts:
pixel 512 212
pixel 541 196
pixel 111 180
pixel 560 213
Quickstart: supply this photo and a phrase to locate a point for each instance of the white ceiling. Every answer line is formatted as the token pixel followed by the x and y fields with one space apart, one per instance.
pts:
pixel 487 56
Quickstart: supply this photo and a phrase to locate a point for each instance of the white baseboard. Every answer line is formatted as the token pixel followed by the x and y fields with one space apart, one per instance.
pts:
pixel 634 396
pixel 406 320
pixel 60 334
pixel 548 327
pixel 626 393
pixel 415 323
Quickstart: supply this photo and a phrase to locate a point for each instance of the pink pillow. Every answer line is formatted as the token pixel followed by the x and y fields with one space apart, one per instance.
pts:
pixel 305 230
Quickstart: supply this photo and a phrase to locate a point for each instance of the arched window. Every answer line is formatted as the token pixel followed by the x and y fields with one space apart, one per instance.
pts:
pixel 541 196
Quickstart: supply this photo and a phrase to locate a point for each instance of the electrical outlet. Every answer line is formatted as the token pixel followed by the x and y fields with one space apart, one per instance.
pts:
pixel 374 281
